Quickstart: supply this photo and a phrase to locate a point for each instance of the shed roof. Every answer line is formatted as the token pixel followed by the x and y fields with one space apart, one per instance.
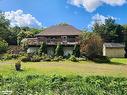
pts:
pixel 114 45
pixel 60 30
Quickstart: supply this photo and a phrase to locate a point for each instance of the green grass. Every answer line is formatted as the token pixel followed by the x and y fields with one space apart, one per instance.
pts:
pixel 119 60
pixel 83 68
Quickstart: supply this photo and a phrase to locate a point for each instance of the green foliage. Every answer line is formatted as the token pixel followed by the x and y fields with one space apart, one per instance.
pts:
pixel 63 24
pixel 4 28
pixel 36 58
pixel 101 59
pixel 73 58
pixel 59 50
pixel 60 85
pixel 24 44
pixel 126 49
pixel 23 34
pixel 3 46
pixel 92 46
pixel 42 49
pixel 76 51
pixel 109 31
pixel 7 56
pixel 18 65
pixel 60 58
pixel 35 31
pixel 25 58
pixel 46 58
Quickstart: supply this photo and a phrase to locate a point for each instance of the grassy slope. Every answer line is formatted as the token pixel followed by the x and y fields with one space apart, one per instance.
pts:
pixel 67 68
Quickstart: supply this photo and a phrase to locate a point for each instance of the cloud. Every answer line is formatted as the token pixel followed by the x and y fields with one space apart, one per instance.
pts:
pixel 92 5
pixel 100 19
pixel 19 18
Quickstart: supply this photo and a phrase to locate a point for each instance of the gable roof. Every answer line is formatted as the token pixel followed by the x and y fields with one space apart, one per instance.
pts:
pixel 60 30
pixel 114 45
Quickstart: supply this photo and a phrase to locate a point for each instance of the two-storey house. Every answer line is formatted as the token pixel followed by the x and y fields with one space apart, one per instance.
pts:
pixel 66 35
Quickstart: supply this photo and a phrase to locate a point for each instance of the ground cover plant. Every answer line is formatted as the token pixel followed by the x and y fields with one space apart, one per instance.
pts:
pixel 63 85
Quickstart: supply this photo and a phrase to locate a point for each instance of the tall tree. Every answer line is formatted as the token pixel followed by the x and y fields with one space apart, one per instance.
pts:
pixel 4 28
pixel 92 46
pixel 24 34
pixel 109 31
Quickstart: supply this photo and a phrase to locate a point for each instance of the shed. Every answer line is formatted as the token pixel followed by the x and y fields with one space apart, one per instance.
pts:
pixel 114 50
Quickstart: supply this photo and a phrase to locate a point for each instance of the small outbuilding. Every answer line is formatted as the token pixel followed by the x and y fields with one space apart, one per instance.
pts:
pixel 114 50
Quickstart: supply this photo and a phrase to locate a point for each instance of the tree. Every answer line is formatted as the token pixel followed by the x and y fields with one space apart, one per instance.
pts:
pixel 23 34
pixel 4 28
pixel 35 31
pixel 43 49
pixel 3 46
pixel 76 51
pixel 63 24
pixel 59 50
pixel 125 27
pixel 109 31
pixel 92 46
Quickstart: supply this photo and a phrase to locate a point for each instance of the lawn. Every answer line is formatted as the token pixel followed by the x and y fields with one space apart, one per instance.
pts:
pixel 67 68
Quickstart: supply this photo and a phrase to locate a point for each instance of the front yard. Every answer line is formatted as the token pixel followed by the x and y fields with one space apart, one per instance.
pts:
pixel 67 68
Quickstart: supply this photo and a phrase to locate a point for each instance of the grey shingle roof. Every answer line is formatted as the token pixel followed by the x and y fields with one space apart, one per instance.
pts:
pixel 115 45
pixel 60 30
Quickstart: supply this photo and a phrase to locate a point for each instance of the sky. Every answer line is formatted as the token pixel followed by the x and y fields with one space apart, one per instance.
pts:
pixel 79 13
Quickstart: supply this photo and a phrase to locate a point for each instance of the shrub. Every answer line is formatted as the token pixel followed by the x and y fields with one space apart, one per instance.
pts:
pixel 76 51
pixel 59 50
pixel 9 56
pixel 101 59
pixel 42 49
pixel 3 46
pixel 25 58
pixel 73 58
pixel 18 66
pixel 92 46
pixel 47 59
pixel 60 58
pixel 36 58
pixel 15 56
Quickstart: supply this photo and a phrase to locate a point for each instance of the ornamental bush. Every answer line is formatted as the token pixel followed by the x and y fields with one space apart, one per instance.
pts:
pixel 18 66
pixel 3 46
pixel 59 50
pixel 76 51
pixel 42 49
pixel 73 58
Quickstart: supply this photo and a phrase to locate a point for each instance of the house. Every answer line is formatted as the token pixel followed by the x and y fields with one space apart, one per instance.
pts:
pixel 114 50
pixel 66 35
